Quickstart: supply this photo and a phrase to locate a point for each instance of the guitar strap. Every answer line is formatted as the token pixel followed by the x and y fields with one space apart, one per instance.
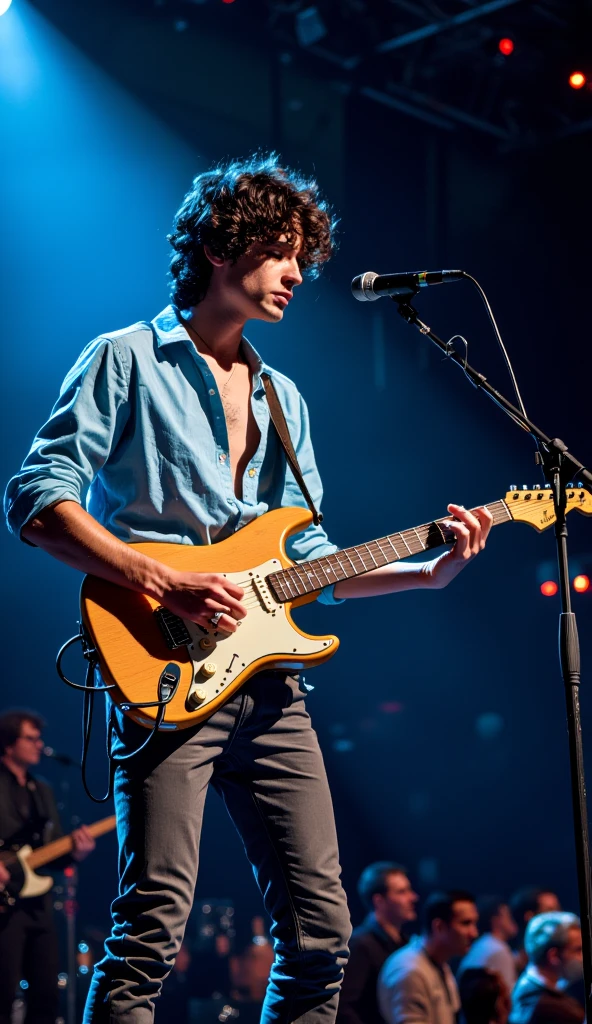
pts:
pixel 279 421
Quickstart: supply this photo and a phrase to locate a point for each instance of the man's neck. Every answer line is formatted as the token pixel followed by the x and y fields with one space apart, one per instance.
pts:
pixel 18 770
pixel 219 331
pixel 435 951
pixel 390 929
pixel 545 974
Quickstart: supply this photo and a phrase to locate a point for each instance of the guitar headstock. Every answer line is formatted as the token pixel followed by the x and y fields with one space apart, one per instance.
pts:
pixel 536 506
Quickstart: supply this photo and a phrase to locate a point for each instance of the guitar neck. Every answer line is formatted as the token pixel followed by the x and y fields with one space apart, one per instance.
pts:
pixel 306 577
pixel 59 847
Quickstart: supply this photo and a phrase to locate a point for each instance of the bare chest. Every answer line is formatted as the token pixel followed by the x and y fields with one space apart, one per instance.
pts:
pixel 241 426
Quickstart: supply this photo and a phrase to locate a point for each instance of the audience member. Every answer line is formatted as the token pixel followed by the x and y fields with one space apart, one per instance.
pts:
pixel 524 904
pixel 553 944
pixel 416 983
pixel 484 996
pixel 387 895
pixel 491 950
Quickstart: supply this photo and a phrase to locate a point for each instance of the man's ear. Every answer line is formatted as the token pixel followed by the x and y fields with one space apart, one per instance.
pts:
pixel 377 900
pixel 216 261
pixel 553 957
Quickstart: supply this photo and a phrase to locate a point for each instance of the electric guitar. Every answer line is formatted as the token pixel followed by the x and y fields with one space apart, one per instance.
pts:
pixel 148 654
pixel 21 863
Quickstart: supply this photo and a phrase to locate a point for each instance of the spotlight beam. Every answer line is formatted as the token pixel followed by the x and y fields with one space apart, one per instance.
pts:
pixel 434 28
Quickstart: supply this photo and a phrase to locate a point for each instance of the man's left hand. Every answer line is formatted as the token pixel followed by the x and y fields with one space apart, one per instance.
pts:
pixel 83 843
pixel 471 530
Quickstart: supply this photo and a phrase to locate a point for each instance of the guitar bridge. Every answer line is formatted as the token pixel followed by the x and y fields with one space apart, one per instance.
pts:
pixel 173 629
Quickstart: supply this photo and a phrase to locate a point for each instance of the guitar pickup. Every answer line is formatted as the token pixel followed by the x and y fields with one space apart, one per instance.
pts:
pixel 173 629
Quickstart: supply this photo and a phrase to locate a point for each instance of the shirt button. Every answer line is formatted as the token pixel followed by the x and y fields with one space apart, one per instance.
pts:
pixel 222 457
pixel 252 472
pixel 211 391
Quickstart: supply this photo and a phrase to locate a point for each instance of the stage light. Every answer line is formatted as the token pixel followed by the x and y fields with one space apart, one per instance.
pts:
pixel 4 5
pixel 577 80
pixel 581 583
pixel 506 46
pixel 549 588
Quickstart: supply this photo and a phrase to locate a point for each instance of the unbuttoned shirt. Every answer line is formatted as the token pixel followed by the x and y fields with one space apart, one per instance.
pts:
pixel 138 436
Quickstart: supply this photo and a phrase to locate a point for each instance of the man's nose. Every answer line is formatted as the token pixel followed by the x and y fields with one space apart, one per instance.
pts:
pixel 293 274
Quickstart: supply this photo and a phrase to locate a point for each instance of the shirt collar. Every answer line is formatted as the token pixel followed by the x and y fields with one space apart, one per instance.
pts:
pixel 168 330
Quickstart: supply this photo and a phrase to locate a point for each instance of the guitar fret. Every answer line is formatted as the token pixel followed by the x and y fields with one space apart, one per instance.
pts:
pixel 405 542
pixel 371 555
pixel 419 539
pixel 393 546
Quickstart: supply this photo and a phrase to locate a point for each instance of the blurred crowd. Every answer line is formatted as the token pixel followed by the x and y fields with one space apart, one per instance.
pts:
pixel 484 960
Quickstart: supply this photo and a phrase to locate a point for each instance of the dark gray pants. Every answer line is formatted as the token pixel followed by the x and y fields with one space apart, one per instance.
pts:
pixel 262 755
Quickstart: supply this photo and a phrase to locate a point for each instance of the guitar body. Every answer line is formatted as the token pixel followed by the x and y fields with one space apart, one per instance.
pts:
pixel 131 647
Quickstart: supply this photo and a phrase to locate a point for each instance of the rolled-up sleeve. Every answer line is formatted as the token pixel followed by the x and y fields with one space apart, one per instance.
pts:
pixel 312 542
pixel 76 440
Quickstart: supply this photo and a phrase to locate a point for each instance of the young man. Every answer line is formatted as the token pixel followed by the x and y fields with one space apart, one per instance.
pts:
pixel 163 431
pixel 491 950
pixel 525 904
pixel 553 944
pixel 29 816
pixel 388 896
pixel 416 984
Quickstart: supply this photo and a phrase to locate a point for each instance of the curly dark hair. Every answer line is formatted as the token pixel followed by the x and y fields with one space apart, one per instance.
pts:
pixel 236 204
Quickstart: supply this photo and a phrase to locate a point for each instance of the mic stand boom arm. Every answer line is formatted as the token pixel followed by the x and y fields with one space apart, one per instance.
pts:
pixel 559 466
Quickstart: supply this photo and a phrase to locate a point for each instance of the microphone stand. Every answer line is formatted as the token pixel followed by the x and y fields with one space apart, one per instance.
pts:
pixel 559 466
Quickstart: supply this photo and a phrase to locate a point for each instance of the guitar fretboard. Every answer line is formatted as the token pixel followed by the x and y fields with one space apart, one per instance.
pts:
pixel 306 577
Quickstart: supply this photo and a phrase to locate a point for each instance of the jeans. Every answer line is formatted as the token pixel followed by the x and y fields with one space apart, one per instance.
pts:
pixel 262 756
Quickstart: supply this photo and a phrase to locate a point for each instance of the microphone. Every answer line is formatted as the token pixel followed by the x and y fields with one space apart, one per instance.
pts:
pixel 370 286
pixel 61 758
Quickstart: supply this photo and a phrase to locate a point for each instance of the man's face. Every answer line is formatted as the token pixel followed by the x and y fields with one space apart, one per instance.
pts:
pixel 397 904
pixel 571 957
pixel 261 283
pixel 459 935
pixel 26 750
pixel 505 923
pixel 548 902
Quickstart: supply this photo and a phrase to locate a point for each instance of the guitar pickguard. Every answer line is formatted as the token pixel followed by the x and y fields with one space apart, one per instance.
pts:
pixel 266 635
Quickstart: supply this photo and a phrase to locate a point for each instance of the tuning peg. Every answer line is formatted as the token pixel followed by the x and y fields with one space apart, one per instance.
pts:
pixel 536 487
pixel 547 487
pixel 570 484
pixel 579 484
pixel 513 487
pixel 524 487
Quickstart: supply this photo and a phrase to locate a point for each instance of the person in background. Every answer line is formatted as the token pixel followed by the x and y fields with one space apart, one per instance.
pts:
pixel 492 950
pixel 388 896
pixel 29 816
pixel 553 944
pixel 484 996
pixel 416 984
pixel 524 904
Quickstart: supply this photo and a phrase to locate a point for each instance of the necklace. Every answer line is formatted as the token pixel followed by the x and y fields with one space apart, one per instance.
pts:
pixel 204 342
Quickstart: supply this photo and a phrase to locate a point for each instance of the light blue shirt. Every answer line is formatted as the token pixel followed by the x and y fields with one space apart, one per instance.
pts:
pixel 138 435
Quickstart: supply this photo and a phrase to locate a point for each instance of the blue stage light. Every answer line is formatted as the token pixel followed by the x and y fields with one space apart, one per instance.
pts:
pixel 4 5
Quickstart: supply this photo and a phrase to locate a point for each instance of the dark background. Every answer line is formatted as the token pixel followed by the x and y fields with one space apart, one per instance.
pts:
pixel 442 716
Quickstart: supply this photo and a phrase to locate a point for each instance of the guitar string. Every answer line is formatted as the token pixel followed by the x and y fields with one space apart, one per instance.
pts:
pixel 300 575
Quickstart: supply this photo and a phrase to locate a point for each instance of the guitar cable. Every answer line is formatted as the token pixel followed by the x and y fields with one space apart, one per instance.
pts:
pixel 167 687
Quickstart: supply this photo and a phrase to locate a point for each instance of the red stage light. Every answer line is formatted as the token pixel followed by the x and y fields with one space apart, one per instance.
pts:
pixel 581 584
pixel 549 588
pixel 506 46
pixel 577 80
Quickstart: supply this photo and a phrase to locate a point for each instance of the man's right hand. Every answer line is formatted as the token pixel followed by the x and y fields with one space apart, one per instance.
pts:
pixel 198 595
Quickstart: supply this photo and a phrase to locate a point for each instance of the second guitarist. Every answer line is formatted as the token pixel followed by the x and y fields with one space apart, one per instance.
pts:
pixel 162 432
pixel 29 816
